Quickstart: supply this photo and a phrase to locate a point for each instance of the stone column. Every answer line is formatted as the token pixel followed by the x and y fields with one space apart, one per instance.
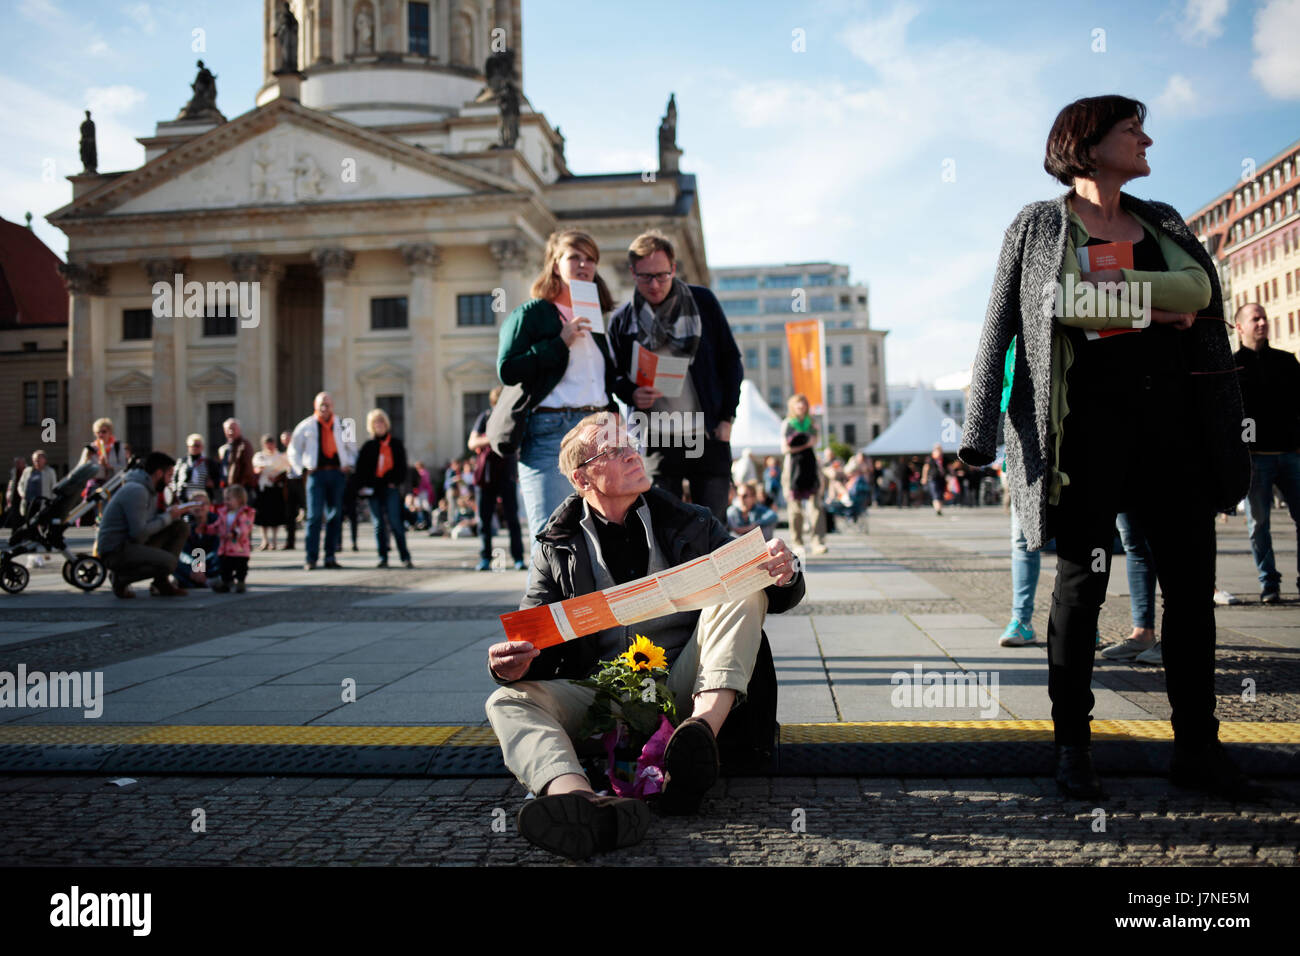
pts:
pixel 325 43
pixel 84 281
pixel 165 434
pixel 422 260
pixel 334 264
pixel 513 260
pixel 255 344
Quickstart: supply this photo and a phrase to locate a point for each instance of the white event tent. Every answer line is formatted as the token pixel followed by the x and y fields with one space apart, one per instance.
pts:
pixel 917 430
pixel 756 429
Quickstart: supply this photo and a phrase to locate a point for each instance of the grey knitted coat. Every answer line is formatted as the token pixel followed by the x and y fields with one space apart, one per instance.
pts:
pixel 1021 304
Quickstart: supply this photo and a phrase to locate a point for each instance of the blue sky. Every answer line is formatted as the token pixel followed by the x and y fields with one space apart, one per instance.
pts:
pixel 834 152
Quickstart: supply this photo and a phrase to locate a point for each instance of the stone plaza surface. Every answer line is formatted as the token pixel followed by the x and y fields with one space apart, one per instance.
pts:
pixel 916 590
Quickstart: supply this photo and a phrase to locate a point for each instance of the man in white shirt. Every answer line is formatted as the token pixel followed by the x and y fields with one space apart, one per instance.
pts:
pixel 323 449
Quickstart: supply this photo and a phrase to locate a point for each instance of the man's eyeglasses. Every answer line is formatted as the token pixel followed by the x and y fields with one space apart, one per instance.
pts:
pixel 621 451
pixel 649 278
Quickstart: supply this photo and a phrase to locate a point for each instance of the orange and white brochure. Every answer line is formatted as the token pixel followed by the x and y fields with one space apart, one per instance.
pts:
pixel 1107 255
pixel 586 304
pixel 727 574
pixel 664 372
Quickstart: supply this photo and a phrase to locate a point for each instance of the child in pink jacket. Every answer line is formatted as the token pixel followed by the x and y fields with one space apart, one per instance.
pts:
pixel 232 523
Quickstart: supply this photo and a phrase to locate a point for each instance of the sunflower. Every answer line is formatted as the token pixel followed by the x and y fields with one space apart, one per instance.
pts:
pixel 644 656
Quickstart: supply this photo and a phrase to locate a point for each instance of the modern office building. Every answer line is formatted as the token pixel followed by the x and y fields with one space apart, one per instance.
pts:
pixel 1253 232
pixel 760 300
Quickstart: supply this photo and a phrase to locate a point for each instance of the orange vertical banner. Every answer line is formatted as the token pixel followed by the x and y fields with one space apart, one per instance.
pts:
pixel 805 340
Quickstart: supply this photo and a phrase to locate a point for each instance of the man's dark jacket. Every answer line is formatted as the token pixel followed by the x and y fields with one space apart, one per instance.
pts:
pixel 1270 394
pixel 562 569
pixel 716 371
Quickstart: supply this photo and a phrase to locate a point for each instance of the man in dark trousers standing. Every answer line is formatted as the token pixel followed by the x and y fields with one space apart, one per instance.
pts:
pixel 691 438
pixel 1270 397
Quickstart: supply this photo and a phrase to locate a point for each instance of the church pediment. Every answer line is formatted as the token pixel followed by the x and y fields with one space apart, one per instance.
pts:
pixel 132 381
pixel 384 372
pixel 470 367
pixel 283 154
pixel 214 377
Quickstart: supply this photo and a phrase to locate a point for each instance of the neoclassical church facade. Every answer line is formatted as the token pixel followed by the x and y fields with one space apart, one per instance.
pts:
pixel 370 197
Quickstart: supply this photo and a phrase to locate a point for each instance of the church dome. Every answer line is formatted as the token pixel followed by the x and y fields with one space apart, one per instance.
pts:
pixel 388 62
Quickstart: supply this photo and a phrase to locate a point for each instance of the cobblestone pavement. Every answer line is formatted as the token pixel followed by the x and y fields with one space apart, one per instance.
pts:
pixel 844 821
pixel 87 820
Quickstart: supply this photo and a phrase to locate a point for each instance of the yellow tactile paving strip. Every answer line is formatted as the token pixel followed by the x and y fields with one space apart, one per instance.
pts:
pixel 882 732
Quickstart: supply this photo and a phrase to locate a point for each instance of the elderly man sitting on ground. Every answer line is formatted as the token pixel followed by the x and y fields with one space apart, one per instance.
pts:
pixel 614 529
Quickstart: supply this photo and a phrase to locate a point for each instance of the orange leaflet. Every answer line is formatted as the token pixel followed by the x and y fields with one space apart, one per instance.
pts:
pixel 589 613
pixel 536 625
pixel 644 364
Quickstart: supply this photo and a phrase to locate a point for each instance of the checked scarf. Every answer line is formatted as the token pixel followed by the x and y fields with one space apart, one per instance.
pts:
pixel 674 322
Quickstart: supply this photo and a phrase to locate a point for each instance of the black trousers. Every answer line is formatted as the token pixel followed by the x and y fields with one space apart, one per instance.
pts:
pixel 1132 467
pixel 708 473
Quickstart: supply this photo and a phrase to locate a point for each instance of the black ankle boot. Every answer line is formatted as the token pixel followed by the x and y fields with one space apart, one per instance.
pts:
pixel 1075 775
pixel 1208 767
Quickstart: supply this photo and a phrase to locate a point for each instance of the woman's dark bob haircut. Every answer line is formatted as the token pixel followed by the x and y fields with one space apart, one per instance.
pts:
pixel 1081 126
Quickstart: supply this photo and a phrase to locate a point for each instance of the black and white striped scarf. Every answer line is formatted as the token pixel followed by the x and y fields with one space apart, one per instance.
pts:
pixel 675 321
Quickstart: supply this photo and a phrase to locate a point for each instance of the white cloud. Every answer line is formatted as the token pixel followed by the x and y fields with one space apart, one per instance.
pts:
pixel 42 11
pixel 98 47
pixel 113 99
pixel 1177 96
pixel 1202 20
pixel 143 16
pixel 1277 62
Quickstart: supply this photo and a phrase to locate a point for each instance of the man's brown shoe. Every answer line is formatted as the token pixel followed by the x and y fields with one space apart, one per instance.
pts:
pixel 690 766
pixel 167 589
pixel 579 825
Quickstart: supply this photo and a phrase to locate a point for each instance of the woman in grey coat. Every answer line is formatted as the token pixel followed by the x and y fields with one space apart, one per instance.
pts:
pixel 1114 386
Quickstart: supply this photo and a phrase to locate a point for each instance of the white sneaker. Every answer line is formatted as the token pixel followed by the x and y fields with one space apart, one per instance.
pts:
pixel 1152 655
pixel 1224 598
pixel 1126 650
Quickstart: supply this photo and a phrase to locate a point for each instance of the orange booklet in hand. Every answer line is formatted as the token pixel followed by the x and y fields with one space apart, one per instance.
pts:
pixel 1106 255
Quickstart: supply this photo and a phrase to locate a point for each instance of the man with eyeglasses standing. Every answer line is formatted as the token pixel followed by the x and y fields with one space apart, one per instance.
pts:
pixel 614 529
pixel 691 440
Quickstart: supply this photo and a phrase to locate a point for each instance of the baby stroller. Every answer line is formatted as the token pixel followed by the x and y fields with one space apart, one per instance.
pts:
pixel 41 532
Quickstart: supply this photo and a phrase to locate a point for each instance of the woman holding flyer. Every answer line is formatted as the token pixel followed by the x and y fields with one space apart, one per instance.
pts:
pixel 561 362
pixel 1111 386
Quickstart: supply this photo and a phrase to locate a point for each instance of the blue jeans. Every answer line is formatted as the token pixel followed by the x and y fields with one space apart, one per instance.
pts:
pixel 325 500
pixel 1266 471
pixel 386 512
pixel 540 480
pixel 1141 570
pixel 1025 565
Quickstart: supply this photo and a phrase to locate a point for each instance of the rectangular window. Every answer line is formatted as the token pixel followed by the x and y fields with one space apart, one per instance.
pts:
pixel 139 429
pixel 850 434
pixel 473 404
pixel 821 303
pixel 821 278
pixel 219 326
pixel 137 324
pixel 741 306
pixel 783 282
pixel 728 283
pixel 31 403
pixel 417 27
pixel 875 355
pixel 772 306
pixel 847 388
pixel 875 430
pixel 774 399
pixel 388 313
pixel 475 309
pixel 773 356
pixel 846 354
pixel 875 394
pixel 751 357
pixel 394 406
pixel 50 400
pixel 1275 287
pixel 1288 283
pixel 218 412
pixel 828 356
